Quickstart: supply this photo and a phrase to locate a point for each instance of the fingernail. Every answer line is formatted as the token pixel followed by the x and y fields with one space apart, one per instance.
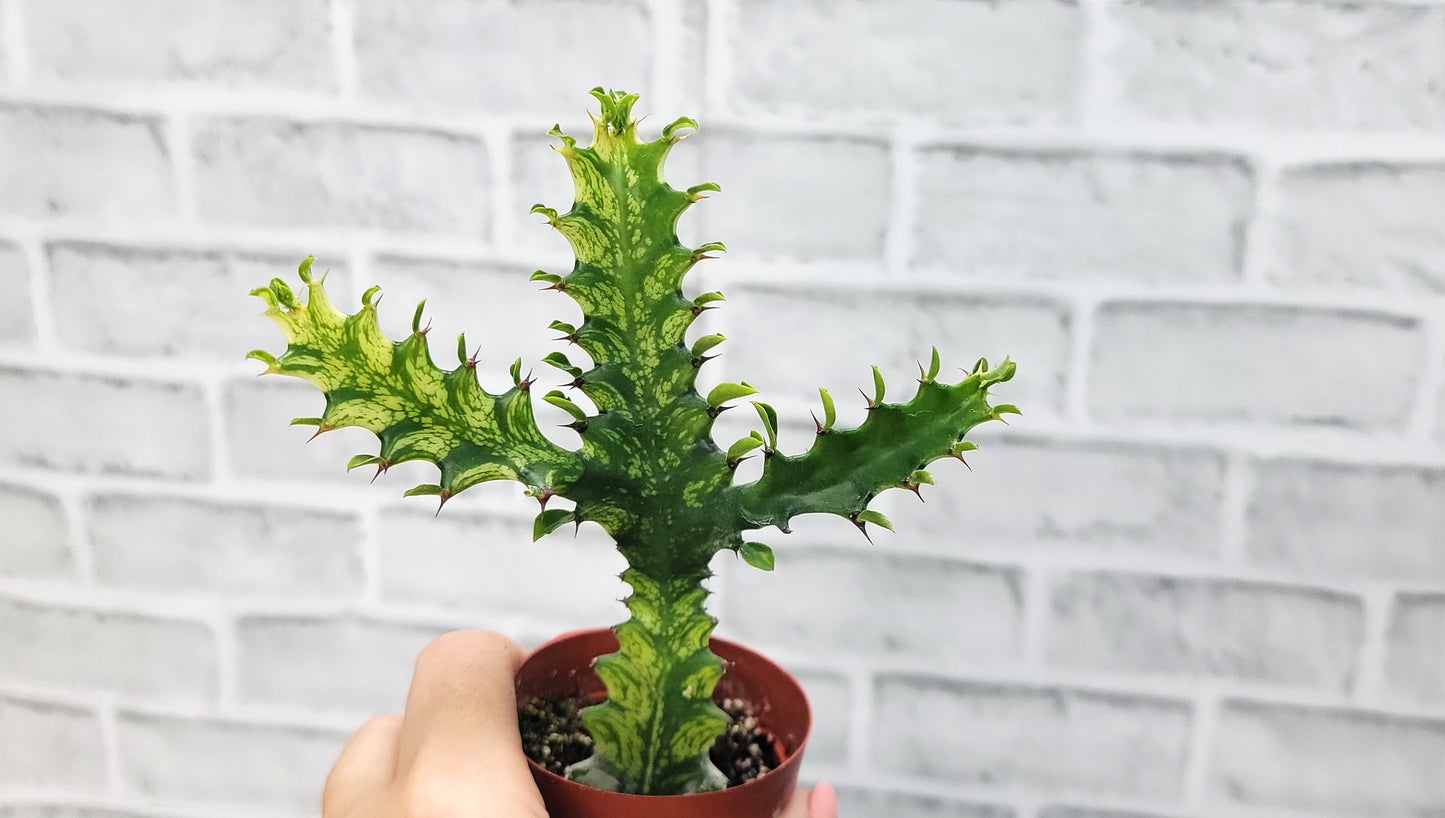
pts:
pixel 823 801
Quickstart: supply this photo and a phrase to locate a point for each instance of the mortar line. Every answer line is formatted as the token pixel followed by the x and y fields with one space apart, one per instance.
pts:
pixel 42 292
pixel 903 210
pixel 12 37
pixel 1037 581
pixel 1081 337
pixel 370 552
pixel 505 223
pixel 1422 421
pixel 1201 743
pixel 666 67
pixel 1088 104
pixel 106 714
pixel 82 550
pixel 178 137
pixel 717 61
pixel 1239 480
pixel 861 711
pixel 224 626
pixel 343 49
pixel 1288 148
pixel 1369 676
pixel 213 391
pixel 1256 253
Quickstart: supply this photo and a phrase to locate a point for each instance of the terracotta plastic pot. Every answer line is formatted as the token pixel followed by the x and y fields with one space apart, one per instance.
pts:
pixel 563 667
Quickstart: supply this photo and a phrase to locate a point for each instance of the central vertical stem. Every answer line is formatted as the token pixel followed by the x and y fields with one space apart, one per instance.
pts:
pixel 660 682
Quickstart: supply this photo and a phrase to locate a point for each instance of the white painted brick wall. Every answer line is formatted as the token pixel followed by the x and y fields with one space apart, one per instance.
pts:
pixel 1202 577
pixel 1173 219
pixel 271 43
pixel 50 747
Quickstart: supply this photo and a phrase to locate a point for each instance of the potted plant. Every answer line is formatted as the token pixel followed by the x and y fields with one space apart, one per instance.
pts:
pixel 647 471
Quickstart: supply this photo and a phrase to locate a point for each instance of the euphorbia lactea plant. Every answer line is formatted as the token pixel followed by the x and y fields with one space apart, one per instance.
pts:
pixel 648 470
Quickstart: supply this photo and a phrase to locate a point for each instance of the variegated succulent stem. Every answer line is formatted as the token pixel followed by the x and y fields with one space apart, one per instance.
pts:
pixel 648 470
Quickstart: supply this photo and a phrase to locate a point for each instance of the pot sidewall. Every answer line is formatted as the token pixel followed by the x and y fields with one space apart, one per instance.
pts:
pixel 563 666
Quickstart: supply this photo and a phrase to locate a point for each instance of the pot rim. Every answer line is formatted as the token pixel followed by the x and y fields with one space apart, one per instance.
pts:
pixel 791 760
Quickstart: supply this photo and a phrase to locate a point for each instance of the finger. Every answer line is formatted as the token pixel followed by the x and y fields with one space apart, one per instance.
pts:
pixel 797 805
pixel 366 766
pixel 460 728
pixel 823 801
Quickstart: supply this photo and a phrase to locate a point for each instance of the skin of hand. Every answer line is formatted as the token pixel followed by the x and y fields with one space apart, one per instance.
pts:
pixel 457 753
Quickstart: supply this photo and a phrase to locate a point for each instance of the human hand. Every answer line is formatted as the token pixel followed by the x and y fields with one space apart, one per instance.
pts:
pixel 457 751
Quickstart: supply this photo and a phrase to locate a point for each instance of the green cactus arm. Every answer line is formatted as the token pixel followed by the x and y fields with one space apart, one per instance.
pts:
pixel 394 390
pixel 846 468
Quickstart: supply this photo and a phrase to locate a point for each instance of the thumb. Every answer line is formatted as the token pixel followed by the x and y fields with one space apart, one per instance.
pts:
pixel 459 751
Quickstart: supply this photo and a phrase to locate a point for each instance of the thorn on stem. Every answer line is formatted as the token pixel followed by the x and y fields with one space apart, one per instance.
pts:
pixel 578 426
pixel 445 496
pixel 381 467
pixel 871 404
pixel 543 496
pixel 319 431
pixel 862 527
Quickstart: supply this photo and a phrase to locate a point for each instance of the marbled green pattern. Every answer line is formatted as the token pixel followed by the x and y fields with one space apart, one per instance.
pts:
pixel 648 470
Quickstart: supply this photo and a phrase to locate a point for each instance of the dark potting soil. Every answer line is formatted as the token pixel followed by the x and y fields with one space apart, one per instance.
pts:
pixel 553 736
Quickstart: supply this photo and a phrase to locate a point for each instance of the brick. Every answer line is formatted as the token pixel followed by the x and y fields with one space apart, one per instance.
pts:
pixel 270 44
pixel 831 700
pixel 796 197
pixel 203 760
pixel 336 174
pixel 1361 225
pixel 1155 219
pixel 1415 649
pixel 263 444
pixel 490 563
pixel 1044 493
pixel 502 312
pixel 1253 364
pixel 1049 740
pixel 1344 521
pixel 981 63
pixel 183 545
pixel 1304 65
pixel 1122 623
pixel 1331 761
pixel 91 650
pixel 80 163
pixel 329 664
pixel 17 325
pixel 834 335
pixel 37 541
pixel 451 54
pixel 934 610
pixel 50 746
pixel 108 426
pixel 205 312
pixel 857 802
